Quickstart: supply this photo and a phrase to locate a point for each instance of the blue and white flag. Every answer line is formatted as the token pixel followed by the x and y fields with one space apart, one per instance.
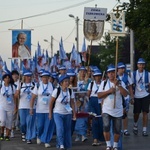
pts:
pixel 62 52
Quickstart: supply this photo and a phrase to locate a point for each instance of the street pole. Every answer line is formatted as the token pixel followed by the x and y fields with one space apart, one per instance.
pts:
pixel 77 33
pixel 52 46
pixel 132 49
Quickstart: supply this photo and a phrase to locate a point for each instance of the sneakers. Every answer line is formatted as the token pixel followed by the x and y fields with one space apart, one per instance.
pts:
pixel 144 133
pixel 108 148
pixel 2 136
pixel 29 142
pixel 7 138
pixel 135 130
pixel 38 141
pixel 84 138
pixel 77 138
pixel 126 133
pixel 12 134
pixel 23 137
pixel 115 148
pixel 62 147
pixel 47 145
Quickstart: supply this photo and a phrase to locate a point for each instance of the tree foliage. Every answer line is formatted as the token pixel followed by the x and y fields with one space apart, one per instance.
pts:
pixel 107 53
pixel 137 18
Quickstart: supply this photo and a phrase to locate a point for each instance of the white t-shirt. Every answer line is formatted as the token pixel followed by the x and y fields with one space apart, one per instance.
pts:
pixel 94 90
pixel 108 102
pixel 17 84
pixel 44 93
pixel 6 97
pixel 81 86
pixel 60 102
pixel 129 83
pixel 140 90
pixel 129 79
pixel 25 95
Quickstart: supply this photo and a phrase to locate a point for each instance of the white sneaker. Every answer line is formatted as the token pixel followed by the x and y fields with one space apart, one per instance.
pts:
pixel 12 134
pixel 61 146
pixel 47 145
pixel 77 138
pixel 4 132
pixel 38 141
pixel 84 138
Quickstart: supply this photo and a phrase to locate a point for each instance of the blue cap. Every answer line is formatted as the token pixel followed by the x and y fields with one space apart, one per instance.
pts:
pixel 63 77
pixel 110 68
pixel 94 68
pixel 97 73
pixel 71 72
pixel 41 70
pixel 82 68
pixel 54 75
pixel 27 73
pixel 45 73
pixel 62 67
pixel 5 75
pixel 121 65
pixel 141 61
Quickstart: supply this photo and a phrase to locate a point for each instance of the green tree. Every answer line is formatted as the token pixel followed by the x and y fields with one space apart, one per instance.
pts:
pixel 107 54
pixel 137 19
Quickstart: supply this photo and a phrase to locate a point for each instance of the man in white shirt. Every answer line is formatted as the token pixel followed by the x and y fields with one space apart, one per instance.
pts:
pixel 141 80
pixel 111 92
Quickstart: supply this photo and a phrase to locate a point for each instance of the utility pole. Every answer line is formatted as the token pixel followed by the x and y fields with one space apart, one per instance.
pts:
pixel 132 49
pixel 77 34
pixel 52 46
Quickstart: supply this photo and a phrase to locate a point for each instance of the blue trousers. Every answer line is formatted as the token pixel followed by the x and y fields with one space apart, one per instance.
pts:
pixel 97 123
pixel 63 129
pixel 31 126
pixel 45 127
pixel 23 113
pixel 81 126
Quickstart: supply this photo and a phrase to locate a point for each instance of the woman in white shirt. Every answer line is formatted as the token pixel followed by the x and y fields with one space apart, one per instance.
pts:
pixel 24 90
pixel 95 107
pixel 45 127
pixel 7 106
pixel 62 106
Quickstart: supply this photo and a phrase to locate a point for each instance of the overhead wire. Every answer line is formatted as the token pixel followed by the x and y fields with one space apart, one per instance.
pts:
pixel 47 13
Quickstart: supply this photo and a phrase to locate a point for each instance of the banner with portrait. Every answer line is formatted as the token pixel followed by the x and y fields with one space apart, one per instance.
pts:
pixel 21 44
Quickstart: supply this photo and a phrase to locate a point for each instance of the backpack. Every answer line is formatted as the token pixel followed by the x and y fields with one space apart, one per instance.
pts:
pixel 124 79
pixel 32 87
pixel 146 80
pixel 58 93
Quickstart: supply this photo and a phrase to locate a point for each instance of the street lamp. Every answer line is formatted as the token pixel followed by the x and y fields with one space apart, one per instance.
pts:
pixel 77 30
pixel 51 44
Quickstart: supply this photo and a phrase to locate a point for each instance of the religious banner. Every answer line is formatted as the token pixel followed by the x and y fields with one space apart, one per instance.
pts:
pixel 21 44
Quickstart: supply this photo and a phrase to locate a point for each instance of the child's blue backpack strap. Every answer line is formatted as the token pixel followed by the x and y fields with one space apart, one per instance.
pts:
pixel 125 79
pixel 146 81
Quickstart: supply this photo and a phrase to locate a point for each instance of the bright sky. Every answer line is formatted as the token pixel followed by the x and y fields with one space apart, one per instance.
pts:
pixel 56 24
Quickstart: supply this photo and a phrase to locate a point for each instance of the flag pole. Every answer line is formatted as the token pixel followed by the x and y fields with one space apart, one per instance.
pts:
pixel 89 52
pixel 116 61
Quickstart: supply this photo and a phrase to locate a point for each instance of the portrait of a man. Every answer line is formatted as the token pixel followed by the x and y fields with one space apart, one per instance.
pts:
pixel 21 48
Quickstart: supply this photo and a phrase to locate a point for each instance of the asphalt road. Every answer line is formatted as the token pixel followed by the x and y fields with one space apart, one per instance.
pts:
pixel 129 143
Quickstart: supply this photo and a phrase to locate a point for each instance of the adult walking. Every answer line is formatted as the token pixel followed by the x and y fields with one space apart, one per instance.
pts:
pixel 45 127
pixel 141 80
pixel 95 107
pixel 62 108
pixel 24 92
pixel 7 106
pixel 111 92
